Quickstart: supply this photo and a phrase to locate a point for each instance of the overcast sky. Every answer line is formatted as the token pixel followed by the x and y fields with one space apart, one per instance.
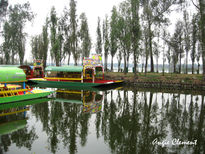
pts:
pixel 92 9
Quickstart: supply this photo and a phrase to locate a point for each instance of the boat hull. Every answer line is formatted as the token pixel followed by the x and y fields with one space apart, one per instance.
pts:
pixel 74 85
pixel 27 96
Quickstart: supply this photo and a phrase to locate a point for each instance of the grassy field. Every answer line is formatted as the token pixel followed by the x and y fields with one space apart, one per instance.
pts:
pixel 156 77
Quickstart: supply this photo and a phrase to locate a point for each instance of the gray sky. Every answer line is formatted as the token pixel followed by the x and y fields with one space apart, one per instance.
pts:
pixel 92 9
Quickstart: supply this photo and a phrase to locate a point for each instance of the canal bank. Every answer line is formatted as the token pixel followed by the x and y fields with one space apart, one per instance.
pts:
pixel 158 80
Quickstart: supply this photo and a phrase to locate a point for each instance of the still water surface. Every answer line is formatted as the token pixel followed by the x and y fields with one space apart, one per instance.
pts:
pixel 105 122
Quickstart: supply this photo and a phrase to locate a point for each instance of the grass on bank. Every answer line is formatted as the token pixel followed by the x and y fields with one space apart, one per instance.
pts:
pixel 156 77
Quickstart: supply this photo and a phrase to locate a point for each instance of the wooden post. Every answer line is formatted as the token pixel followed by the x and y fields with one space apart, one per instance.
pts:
pixel 81 77
pixel 93 75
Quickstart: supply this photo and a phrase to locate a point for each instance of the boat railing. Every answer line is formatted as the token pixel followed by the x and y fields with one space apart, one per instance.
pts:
pixel 69 79
pixel 8 93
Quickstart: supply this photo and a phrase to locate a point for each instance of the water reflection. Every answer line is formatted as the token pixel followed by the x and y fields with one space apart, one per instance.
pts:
pixel 13 125
pixel 125 121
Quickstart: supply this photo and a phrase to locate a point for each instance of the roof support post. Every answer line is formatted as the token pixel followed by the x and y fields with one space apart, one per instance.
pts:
pixel 93 75
pixel 82 77
pixel 24 87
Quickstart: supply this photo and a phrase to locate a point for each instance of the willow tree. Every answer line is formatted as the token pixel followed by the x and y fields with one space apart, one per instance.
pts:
pixel 84 36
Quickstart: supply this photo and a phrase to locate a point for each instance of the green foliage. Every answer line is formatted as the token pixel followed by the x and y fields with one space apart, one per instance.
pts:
pixel 113 34
pixel 85 36
pixel 99 38
pixel 73 31
pixel 106 41
pixel 39 45
pixel 18 16
pixel 54 36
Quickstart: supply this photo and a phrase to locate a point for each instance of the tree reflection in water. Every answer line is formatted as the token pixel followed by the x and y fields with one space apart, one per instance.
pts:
pixel 127 121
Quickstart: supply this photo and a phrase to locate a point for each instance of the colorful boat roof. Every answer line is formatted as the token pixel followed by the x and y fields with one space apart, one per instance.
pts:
pixel 64 68
pixel 12 75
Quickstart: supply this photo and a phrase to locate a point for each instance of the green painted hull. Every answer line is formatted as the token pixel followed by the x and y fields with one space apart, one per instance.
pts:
pixel 67 85
pixel 74 85
pixel 23 103
pixel 23 97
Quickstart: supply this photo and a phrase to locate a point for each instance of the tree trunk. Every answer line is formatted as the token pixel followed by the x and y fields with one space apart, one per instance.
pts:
pixel 125 62
pixel 68 59
pixel 150 48
pixel 157 65
pixel 146 62
pixel 105 62
pixel 202 24
pixel 198 68
pixel 142 70
pixel 192 67
pixel 174 67
pixel 112 64
pixel 187 62
pixel 180 63
pixel 128 56
pixel 119 64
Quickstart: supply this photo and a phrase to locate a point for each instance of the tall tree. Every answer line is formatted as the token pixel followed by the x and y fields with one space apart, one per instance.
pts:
pixel 187 32
pixel 36 46
pixel 176 45
pixel 106 41
pixel 193 40
pixel 3 9
pixel 202 27
pixel 99 38
pixel 45 43
pixel 84 36
pixel 135 32
pixel 7 44
pixel 39 45
pixel 125 31
pixel 19 15
pixel 67 34
pixel 154 12
pixel 113 34
pixel 73 31
pixel 54 36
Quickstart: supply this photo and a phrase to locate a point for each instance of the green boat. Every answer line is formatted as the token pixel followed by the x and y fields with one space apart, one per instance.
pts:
pixel 81 77
pixel 13 75
pixel 23 103
pixel 9 127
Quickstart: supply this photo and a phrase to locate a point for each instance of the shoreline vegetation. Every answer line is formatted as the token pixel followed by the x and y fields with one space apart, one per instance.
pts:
pixel 169 81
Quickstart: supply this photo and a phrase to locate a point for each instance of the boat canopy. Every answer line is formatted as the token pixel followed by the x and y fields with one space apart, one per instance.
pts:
pixel 12 75
pixel 64 68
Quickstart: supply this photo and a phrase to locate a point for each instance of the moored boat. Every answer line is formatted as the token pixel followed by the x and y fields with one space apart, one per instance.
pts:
pixel 91 74
pixel 8 93
pixel 35 71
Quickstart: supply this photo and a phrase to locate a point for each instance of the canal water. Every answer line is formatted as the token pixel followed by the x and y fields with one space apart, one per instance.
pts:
pixel 117 121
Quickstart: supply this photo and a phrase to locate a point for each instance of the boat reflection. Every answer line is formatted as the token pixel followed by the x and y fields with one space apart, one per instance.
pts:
pixel 13 115
pixel 91 101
